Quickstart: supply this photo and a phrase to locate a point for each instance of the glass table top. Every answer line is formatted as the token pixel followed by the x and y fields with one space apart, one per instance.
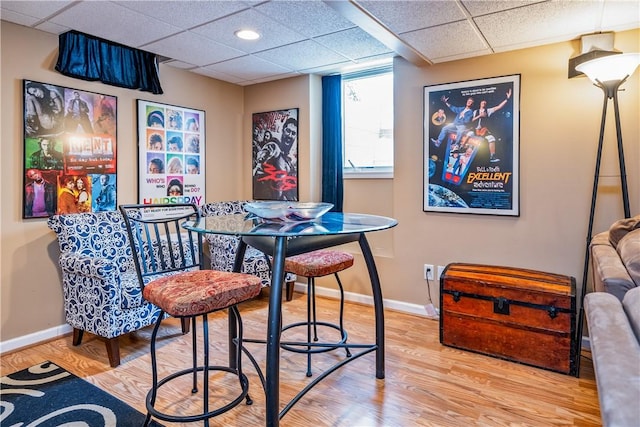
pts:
pixel 331 223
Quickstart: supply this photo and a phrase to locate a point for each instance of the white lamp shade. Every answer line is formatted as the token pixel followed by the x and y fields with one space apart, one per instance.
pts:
pixel 610 68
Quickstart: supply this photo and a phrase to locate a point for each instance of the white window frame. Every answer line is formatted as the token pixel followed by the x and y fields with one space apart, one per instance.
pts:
pixel 381 172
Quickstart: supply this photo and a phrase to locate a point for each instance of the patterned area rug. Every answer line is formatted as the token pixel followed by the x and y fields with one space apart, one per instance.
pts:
pixel 47 395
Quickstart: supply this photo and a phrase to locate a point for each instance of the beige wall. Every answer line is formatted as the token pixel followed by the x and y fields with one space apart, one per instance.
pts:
pixel 31 291
pixel 560 121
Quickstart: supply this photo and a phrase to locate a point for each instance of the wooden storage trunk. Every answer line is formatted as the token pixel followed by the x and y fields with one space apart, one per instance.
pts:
pixel 521 315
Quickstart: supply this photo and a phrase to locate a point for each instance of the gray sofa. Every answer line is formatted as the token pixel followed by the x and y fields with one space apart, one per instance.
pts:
pixel 613 318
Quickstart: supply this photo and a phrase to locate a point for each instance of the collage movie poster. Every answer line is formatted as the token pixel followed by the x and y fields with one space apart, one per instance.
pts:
pixel 275 155
pixel 471 146
pixel 69 150
pixel 171 156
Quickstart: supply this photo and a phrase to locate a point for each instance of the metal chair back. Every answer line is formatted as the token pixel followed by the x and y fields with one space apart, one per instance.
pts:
pixel 159 244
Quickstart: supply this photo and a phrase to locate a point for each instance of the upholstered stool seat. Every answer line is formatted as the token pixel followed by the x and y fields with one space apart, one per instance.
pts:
pixel 318 263
pixel 198 292
pixel 169 263
pixel 311 265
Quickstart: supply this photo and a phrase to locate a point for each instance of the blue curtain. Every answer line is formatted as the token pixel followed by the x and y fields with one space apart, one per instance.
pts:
pixel 332 188
pixel 90 58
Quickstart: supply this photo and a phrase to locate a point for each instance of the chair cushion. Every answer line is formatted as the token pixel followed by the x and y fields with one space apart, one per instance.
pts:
pixel 318 263
pixel 199 292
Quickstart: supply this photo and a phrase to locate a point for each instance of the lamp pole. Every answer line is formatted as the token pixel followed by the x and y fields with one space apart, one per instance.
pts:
pixel 610 89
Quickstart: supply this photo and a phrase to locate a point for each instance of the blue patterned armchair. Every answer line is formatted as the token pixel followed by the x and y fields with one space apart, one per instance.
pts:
pixel 101 290
pixel 223 248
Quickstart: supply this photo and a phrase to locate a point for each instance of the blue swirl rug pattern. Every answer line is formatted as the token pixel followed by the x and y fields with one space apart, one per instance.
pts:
pixel 47 395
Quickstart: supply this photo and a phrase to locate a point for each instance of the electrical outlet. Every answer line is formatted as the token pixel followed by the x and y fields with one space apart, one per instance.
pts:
pixel 440 271
pixel 428 272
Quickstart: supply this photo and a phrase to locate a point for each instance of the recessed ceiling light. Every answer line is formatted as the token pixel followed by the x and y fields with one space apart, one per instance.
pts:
pixel 247 34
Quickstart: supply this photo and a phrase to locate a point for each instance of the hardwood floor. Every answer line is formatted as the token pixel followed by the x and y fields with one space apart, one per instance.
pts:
pixel 426 383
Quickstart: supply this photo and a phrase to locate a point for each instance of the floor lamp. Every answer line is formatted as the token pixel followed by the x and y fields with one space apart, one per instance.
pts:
pixel 608 73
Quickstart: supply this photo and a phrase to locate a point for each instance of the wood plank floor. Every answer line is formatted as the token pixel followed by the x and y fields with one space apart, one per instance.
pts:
pixel 426 383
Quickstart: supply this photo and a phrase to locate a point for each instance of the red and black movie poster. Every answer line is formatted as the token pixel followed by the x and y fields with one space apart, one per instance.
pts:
pixel 471 146
pixel 275 155
pixel 70 143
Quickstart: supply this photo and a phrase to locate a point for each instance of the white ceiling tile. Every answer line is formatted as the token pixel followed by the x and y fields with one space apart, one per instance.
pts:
pixel 329 69
pixel 217 75
pixel 199 50
pixel 539 23
pixel 462 55
pixel 402 16
pixel 35 9
pixel 50 27
pixel 457 38
pixel 273 34
pixel 484 7
pixel 248 68
pixel 620 15
pixel 312 18
pixel 114 22
pixel 185 14
pixel 298 56
pixel 179 64
pixel 272 78
pixel 18 18
pixel 353 43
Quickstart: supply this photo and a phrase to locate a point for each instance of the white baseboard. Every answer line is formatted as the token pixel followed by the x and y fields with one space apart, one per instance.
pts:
pixel 34 338
pixel 405 307
pixel 402 306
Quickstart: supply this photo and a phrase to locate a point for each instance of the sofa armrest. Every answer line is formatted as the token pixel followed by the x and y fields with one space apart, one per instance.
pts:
pixel 609 273
pixel 615 351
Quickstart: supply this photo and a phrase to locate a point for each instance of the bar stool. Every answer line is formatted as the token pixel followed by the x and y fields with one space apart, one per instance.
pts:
pixel 311 265
pixel 168 262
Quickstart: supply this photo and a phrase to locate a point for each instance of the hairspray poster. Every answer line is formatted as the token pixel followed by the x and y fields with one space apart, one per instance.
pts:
pixel 171 156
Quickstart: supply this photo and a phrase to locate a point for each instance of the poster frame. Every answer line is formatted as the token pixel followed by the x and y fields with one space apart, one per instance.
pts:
pixel 78 130
pixel 274 165
pixel 182 132
pixel 478 172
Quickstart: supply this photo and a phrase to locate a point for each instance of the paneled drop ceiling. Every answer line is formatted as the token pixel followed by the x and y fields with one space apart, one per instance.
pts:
pixel 315 36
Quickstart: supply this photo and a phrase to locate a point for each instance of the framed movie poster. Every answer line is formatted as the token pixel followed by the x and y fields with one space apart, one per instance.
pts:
pixel 171 156
pixel 69 150
pixel 471 146
pixel 275 155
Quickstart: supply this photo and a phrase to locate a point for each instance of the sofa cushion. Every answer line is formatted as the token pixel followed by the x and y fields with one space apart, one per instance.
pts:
pixel 620 228
pixel 629 250
pixel 631 305
pixel 615 350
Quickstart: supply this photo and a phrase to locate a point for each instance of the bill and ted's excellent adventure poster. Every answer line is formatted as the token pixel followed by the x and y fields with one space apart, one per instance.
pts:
pixel 471 146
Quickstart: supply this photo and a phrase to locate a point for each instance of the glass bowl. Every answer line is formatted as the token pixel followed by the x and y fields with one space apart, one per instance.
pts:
pixel 288 211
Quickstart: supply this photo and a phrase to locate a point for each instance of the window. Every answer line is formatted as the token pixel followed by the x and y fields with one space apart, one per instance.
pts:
pixel 368 123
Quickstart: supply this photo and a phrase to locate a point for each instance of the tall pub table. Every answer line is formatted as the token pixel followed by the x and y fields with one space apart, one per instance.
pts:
pixel 283 239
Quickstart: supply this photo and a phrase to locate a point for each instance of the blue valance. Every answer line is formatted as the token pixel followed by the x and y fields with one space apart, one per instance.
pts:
pixel 90 58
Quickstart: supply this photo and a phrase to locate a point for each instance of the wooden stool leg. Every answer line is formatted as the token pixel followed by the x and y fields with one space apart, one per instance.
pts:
pixel 185 325
pixel 113 351
pixel 290 285
pixel 77 336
